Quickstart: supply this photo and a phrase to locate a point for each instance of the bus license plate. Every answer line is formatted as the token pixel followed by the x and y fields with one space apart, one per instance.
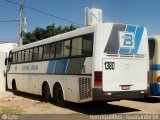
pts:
pixel 125 87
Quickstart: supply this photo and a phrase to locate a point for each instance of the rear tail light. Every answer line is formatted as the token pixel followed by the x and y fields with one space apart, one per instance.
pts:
pixel 98 78
pixel 158 79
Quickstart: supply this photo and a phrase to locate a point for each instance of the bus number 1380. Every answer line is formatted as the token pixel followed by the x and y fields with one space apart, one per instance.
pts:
pixel 109 65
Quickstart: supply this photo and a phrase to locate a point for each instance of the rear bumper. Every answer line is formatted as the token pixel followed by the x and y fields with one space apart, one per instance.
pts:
pixel 99 95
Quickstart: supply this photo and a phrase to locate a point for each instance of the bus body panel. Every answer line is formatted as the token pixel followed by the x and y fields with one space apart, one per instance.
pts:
pixel 124 75
pixel 75 66
pixel 29 77
pixel 72 85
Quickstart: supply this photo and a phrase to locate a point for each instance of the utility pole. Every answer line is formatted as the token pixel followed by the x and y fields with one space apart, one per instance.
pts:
pixel 25 25
pixel 20 24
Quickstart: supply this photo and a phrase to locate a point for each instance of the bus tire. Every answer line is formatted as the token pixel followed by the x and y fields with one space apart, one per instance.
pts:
pixel 46 92
pixel 58 96
pixel 14 87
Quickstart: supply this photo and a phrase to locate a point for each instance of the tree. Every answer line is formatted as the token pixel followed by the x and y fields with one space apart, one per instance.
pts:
pixel 27 38
pixel 59 30
pixel 50 31
pixel 40 33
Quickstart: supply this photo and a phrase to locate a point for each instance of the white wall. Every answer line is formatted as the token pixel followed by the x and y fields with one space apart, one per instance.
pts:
pixel 6 47
pixel 2 70
pixel 4 51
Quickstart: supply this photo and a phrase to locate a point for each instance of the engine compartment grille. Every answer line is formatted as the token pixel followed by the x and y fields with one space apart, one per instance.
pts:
pixel 85 88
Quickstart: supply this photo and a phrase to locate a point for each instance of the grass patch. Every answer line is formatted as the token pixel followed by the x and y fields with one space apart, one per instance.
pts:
pixel 10 110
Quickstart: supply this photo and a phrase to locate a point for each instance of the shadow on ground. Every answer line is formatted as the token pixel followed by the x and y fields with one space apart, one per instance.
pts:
pixel 155 99
pixel 99 109
pixel 91 108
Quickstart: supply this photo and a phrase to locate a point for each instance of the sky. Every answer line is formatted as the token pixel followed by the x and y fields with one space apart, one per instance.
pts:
pixel 137 12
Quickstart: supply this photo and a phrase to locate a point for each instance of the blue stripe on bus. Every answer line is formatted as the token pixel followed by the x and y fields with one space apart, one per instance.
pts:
pixel 155 67
pixel 154 89
pixel 131 28
pixel 138 37
pixel 51 66
pixel 61 66
pixel 124 51
pixel 128 29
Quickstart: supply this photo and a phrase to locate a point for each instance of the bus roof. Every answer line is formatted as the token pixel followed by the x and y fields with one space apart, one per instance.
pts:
pixel 63 36
pixel 74 33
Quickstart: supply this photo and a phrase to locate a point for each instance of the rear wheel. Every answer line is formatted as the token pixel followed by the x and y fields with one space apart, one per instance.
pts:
pixel 58 96
pixel 46 93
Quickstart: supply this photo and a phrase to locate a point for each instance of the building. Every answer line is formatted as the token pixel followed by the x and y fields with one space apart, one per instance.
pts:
pixel 5 48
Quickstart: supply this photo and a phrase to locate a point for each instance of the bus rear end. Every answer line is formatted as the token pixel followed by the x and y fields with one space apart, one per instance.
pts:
pixel 120 62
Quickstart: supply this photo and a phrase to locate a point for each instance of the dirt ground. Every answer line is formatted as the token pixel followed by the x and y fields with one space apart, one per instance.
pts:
pixel 31 104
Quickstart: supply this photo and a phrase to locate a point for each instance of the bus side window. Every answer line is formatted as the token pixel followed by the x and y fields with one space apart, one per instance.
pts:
pixel 14 58
pixel 35 54
pixel 19 56
pixel 66 47
pixel 40 56
pixel 46 52
pixel 82 46
pixel 87 45
pixel 52 51
pixel 30 54
pixel 23 55
pixel 26 55
pixel 63 49
pixel 59 49
pixel 76 46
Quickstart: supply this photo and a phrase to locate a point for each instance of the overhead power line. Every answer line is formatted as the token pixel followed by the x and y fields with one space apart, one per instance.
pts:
pixel 3 21
pixel 12 2
pixel 51 15
pixel 8 39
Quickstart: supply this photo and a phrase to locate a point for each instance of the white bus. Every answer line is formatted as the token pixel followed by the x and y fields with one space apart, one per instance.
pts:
pixel 154 51
pixel 104 62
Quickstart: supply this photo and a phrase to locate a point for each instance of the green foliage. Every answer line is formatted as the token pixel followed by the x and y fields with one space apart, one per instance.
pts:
pixel 51 30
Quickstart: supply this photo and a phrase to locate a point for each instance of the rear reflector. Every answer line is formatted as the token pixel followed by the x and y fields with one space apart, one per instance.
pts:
pixel 98 78
pixel 104 93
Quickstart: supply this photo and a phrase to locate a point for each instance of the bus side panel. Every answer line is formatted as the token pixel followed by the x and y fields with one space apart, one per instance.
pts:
pixel 76 88
pixel 75 78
